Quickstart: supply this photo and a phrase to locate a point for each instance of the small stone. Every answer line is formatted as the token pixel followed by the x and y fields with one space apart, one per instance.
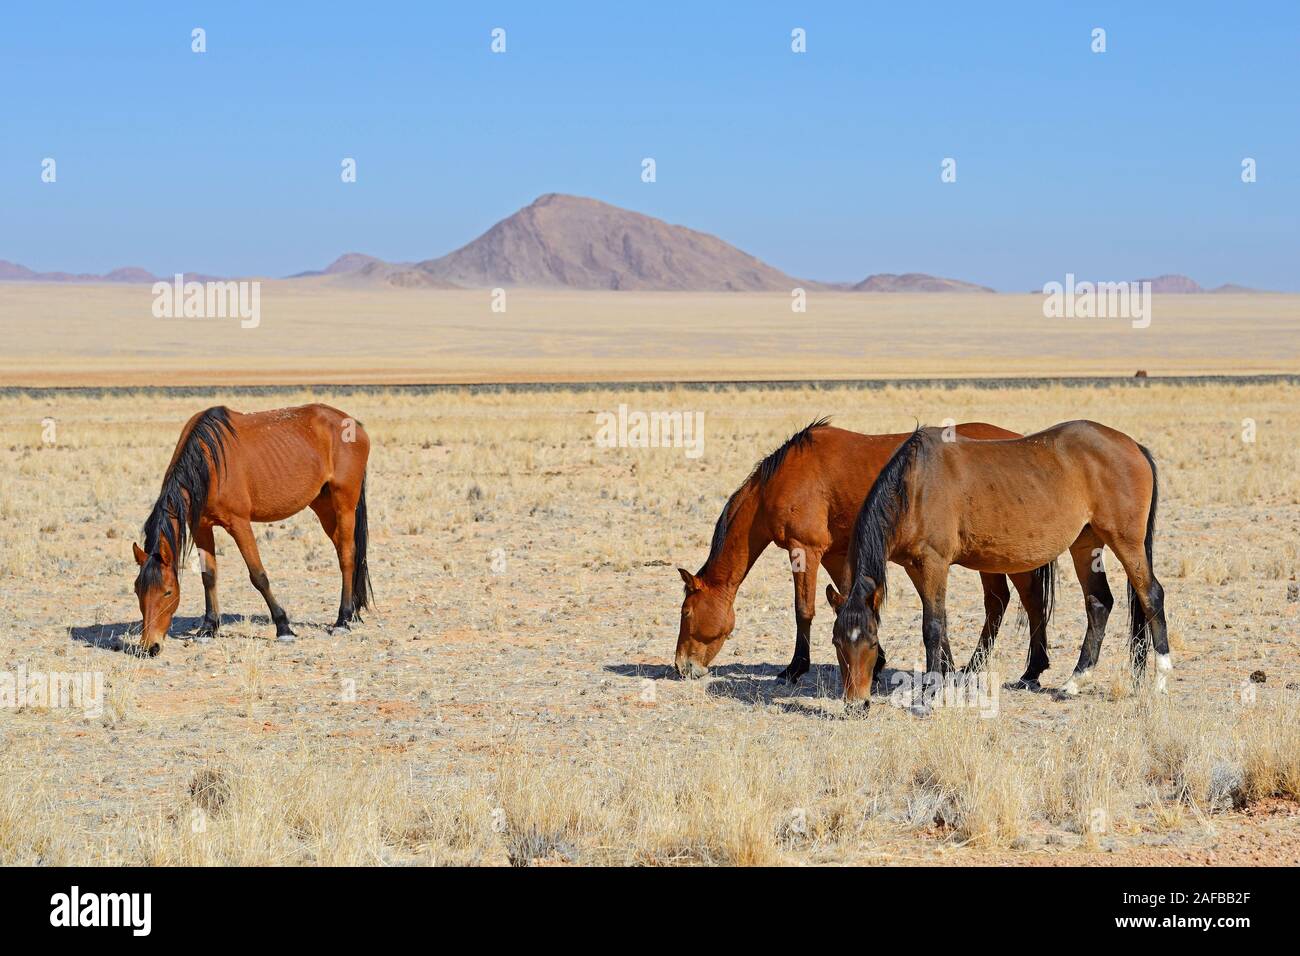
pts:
pixel 1258 677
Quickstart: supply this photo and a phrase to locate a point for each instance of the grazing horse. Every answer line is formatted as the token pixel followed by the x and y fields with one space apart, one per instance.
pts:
pixel 1003 507
pixel 804 497
pixel 231 469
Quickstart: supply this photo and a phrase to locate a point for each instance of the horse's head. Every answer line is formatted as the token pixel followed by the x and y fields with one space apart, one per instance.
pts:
pixel 158 588
pixel 708 616
pixel 857 622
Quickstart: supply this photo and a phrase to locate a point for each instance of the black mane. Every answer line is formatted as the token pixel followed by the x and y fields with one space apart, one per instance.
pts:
pixel 760 476
pixel 185 486
pixel 886 503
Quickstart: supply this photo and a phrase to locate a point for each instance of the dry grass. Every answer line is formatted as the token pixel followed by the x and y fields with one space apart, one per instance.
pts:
pixel 503 717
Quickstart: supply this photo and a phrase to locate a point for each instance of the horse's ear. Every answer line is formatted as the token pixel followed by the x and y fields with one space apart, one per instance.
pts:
pixel 164 550
pixel 692 583
pixel 877 597
pixel 140 556
pixel 835 598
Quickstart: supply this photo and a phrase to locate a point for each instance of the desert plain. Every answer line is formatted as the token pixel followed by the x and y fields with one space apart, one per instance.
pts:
pixel 511 699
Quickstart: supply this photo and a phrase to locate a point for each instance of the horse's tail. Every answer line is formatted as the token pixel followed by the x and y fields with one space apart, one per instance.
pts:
pixel 1137 616
pixel 362 589
pixel 1044 586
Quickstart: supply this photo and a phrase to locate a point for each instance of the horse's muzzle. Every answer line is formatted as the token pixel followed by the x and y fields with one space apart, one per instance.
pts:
pixel 857 708
pixel 690 670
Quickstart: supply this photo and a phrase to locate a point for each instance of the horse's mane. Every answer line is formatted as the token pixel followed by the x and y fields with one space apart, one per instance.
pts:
pixel 886 504
pixel 761 475
pixel 187 477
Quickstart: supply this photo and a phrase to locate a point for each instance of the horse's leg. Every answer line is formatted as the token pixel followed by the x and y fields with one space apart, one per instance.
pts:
pixel 242 532
pixel 345 517
pixel 996 597
pixel 803 565
pixel 1032 601
pixel 931 580
pixel 339 531
pixel 203 540
pixel 1149 615
pixel 1097 603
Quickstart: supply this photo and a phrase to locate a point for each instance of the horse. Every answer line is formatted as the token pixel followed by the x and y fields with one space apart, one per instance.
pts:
pixel 1003 507
pixel 804 496
pixel 231 469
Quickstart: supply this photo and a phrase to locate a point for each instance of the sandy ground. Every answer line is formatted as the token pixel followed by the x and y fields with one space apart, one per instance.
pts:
pixel 322 331
pixel 528 608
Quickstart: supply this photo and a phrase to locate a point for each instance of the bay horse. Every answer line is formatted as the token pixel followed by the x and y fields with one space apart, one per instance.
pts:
pixel 1004 507
pixel 229 470
pixel 804 497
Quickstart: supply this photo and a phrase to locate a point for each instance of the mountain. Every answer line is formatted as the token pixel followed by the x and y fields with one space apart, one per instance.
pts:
pixel 347 263
pixel 1231 288
pixel 915 282
pixel 14 272
pixel 572 242
pixel 129 274
pixel 1174 284
pixel 1182 285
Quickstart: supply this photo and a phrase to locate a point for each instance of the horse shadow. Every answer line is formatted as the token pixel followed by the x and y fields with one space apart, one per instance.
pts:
pixel 757 685
pixel 643 671
pixel 808 697
pixel 740 673
pixel 121 636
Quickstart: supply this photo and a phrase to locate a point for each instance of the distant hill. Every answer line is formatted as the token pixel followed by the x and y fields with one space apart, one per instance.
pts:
pixel 915 282
pixel 572 242
pixel 1231 288
pixel 344 264
pixel 576 243
pixel 14 272
pixel 1175 284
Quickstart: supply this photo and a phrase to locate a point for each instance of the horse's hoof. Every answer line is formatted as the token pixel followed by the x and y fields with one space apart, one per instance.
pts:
pixel 288 637
pixel 1030 685
pixel 340 625
pixel 791 676
pixel 203 637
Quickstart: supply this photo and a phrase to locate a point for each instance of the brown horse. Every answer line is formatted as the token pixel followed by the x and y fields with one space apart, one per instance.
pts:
pixel 231 469
pixel 804 497
pixel 1003 507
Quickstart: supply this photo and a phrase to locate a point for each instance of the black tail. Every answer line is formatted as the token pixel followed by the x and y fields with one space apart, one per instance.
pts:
pixel 1045 587
pixel 362 590
pixel 1138 617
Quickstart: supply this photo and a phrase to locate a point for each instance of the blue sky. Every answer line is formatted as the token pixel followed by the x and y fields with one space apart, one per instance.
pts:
pixel 825 164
